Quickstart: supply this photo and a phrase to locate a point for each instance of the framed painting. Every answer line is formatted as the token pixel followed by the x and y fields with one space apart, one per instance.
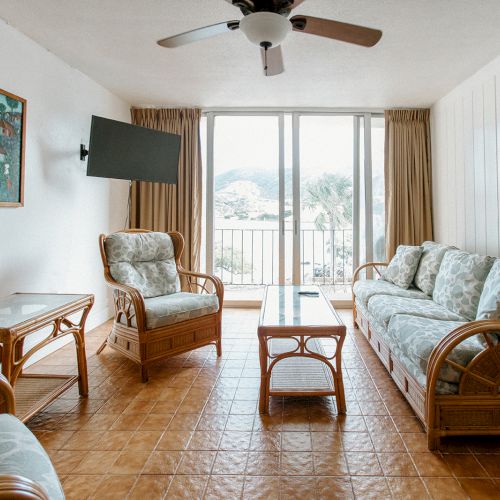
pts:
pixel 12 143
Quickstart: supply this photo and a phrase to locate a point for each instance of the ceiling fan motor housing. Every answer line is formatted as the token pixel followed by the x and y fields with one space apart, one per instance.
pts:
pixel 265 28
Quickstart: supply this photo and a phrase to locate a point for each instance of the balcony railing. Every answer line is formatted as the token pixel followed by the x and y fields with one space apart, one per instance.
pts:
pixel 251 256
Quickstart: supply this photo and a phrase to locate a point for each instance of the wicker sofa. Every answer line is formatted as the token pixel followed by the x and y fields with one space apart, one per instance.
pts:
pixel 438 338
pixel 26 471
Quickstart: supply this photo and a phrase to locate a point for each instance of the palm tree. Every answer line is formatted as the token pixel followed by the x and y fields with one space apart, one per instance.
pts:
pixel 331 197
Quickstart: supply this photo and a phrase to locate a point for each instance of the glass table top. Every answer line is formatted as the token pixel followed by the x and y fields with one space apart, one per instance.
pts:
pixel 20 307
pixel 285 306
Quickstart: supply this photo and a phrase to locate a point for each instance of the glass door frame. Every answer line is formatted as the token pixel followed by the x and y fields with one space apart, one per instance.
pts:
pixel 359 118
pixel 210 185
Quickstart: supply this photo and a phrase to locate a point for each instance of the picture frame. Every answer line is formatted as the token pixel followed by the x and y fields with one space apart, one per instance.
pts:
pixel 12 149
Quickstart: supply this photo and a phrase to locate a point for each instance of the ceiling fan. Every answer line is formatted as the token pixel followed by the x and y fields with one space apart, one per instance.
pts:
pixel 266 24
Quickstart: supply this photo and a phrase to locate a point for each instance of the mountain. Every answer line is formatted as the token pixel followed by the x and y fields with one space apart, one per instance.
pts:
pixel 265 180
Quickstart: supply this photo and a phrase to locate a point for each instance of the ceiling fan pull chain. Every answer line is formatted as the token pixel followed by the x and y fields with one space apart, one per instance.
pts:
pixel 265 46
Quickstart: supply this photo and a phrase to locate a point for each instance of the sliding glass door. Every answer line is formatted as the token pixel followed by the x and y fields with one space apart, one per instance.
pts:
pixel 292 198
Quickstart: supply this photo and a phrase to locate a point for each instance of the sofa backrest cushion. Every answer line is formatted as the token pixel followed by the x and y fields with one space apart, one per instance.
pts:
pixel 489 303
pixel 428 267
pixel 145 261
pixel 403 266
pixel 460 281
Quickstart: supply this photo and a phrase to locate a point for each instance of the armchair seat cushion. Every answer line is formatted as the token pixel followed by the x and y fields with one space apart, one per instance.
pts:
pixel 178 307
pixel 366 289
pixel 21 454
pixel 418 336
pixel 384 307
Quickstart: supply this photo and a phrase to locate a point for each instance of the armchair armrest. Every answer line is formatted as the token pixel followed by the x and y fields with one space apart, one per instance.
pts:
pixel 481 376
pixel 6 391
pixel 196 287
pixel 18 487
pixel 128 302
pixel 374 265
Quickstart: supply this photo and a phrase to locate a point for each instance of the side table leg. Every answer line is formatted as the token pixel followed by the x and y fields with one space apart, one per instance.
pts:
pixel 83 381
pixel 7 360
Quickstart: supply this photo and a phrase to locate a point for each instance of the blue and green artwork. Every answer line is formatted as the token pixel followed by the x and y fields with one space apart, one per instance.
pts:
pixel 12 111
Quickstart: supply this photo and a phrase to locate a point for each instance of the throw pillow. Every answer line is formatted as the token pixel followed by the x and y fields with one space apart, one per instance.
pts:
pixel 460 282
pixel 403 266
pixel 428 268
pixel 489 303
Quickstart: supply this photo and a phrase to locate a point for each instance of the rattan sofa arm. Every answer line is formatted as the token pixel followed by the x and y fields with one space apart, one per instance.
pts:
pixel 375 265
pixel 20 488
pixel 9 402
pixel 444 347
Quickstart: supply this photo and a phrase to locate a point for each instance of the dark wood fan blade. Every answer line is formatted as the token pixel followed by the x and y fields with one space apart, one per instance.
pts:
pixel 272 61
pixel 296 3
pixel 350 33
pixel 199 34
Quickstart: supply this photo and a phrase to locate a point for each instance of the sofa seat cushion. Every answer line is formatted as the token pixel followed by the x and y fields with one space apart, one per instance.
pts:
pixel 178 307
pixel 145 261
pixel 460 282
pixel 384 307
pixel 21 454
pixel 364 290
pixel 418 336
pixel 403 266
pixel 428 267
pixel 489 303
pixel 442 387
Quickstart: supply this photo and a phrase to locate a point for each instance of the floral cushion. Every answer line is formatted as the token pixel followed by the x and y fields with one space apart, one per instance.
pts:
pixel 384 307
pixel 460 282
pixel 177 307
pixel 428 267
pixel 418 336
pixel 489 303
pixel 403 266
pixel 391 338
pixel 144 261
pixel 364 290
pixel 21 454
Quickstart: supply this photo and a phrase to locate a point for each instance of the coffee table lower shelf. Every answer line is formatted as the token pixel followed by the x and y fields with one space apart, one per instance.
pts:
pixel 34 392
pixel 300 376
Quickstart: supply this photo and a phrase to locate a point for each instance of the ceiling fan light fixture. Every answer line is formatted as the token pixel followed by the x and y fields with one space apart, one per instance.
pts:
pixel 265 28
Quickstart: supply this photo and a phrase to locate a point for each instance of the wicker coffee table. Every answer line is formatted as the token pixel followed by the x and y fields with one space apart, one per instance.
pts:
pixel 300 344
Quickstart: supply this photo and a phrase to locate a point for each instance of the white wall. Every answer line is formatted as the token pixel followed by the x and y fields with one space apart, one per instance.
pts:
pixel 466 159
pixel 51 244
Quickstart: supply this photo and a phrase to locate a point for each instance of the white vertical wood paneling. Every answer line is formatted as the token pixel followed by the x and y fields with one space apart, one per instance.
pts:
pixel 466 159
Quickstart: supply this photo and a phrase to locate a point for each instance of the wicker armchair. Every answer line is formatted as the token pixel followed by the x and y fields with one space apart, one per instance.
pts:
pixel 161 309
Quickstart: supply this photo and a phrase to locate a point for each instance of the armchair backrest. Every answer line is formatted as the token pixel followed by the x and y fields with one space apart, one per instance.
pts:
pixel 143 260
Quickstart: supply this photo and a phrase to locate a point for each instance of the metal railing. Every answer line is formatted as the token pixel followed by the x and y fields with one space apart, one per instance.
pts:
pixel 251 256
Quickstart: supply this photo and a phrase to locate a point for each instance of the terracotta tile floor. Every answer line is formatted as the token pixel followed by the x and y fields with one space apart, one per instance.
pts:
pixel 194 431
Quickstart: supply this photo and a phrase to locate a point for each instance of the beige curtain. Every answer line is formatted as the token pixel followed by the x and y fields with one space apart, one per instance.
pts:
pixel 408 178
pixel 165 207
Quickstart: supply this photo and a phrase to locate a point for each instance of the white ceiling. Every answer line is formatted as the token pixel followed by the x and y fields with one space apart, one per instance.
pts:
pixel 428 47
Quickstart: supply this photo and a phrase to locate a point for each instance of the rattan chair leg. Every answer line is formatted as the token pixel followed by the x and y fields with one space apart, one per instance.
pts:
pixel 144 374
pixel 101 348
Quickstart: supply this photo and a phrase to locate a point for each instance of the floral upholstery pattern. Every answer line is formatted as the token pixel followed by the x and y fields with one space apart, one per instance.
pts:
pixel 21 454
pixel 384 307
pixel 364 290
pixel 489 303
pixel 144 261
pixel 403 266
pixel 460 282
pixel 428 267
pixel 391 337
pixel 177 307
pixel 418 336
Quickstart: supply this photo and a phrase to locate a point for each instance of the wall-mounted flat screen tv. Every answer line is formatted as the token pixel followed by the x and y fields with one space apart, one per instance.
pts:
pixel 119 150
